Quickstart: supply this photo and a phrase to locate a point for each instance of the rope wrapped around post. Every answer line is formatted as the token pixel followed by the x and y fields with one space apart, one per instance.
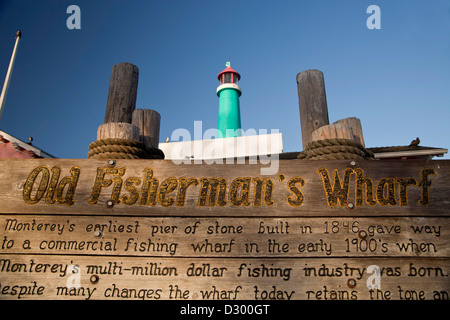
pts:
pixel 335 149
pixel 114 148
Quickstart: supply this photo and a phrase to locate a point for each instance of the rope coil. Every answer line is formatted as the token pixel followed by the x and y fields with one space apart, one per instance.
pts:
pixel 335 149
pixel 114 148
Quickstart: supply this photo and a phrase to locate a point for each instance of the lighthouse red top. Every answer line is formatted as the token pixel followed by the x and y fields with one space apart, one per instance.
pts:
pixel 228 75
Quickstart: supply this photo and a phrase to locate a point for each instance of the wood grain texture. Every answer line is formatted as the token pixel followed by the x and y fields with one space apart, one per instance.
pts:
pixel 334 131
pixel 137 278
pixel 349 128
pixel 356 126
pixel 183 190
pixel 148 122
pixel 122 93
pixel 312 103
pixel 156 230
pixel 228 237
pixel 119 130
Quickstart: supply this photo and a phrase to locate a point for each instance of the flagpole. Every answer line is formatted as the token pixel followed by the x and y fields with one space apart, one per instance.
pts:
pixel 8 74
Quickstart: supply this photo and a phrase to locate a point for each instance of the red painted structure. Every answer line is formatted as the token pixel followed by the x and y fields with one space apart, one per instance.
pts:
pixel 13 148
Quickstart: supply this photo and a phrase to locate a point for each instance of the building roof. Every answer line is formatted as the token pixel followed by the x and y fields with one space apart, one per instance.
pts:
pixel 395 152
pixel 12 147
pixel 407 152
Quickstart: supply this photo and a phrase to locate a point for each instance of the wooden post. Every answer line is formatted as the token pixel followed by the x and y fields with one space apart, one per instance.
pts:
pixel 122 93
pixel 312 103
pixel 356 127
pixel 349 128
pixel 333 131
pixel 148 122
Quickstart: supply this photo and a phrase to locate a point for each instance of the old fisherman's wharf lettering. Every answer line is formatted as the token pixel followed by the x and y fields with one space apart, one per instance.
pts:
pixel 48 185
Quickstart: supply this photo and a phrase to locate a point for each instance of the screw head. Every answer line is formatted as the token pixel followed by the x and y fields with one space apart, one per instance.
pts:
pixel 94 279
pixel 110 203
pixel 350 206
pixel 111 163
pixel 98 233
pixel 351 283
pixel 362 234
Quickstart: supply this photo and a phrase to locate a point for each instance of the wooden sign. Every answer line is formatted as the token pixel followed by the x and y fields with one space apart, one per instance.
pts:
pixel 154 230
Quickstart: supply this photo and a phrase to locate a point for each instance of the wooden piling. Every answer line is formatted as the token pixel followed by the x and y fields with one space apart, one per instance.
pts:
pixel 126 133
pixel 118 130
pixel 122 93
pixel 312 103
pixel 348 128
pixel 148 122
pixel 355 124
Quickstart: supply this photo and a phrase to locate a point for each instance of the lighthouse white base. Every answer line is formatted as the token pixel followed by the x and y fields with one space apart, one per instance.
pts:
pixel 229 85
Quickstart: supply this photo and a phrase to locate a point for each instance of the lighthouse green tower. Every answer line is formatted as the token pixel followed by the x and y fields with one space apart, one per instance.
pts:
pixel 229 113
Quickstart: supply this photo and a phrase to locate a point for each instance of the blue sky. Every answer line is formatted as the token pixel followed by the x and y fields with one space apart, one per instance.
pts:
pixel 396 79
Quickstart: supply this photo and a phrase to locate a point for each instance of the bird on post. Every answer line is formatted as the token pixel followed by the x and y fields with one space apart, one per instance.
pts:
pixel 415 142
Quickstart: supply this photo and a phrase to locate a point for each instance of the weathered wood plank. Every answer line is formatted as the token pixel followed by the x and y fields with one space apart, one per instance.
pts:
pixel 85 277
pixel 139 229
pixel 155 188
pixel 226 237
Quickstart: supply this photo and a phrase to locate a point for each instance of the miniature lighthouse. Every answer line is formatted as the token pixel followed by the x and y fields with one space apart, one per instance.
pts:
pixel 229 114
